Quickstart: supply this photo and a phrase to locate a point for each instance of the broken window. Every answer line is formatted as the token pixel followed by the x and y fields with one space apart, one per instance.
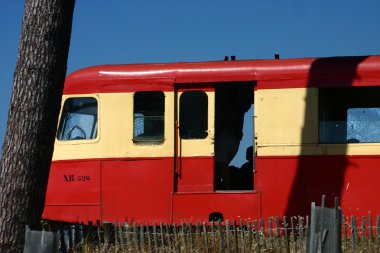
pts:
pixel 232 102
pixel 349 115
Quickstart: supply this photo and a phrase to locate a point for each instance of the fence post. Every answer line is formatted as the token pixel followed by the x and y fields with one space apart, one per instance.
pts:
pixel 370 236
pixel 121 236
pixel 286 234
pixel 129 245
pixel 235 236
pixel 263 233
pixel 162 232
pixel 169 239
pixel 228 236
pixel 344 232
pixel 293 234
pixel 205 234
pixel 354 238
pixel 177 244
pixel 107 233
pixel 155 238
pixel 257 235
pixel 242 235
pixel 198 231
pixel 183 231
pixel 221 243
pixel 135 237
pixel 148 237
pixel 191 237
pixel 70 233
pixel 213 236
pixel 278 231
pixel 77 235
pixel 271 236
pixel 63 242
pixel 142 239
pixel 115 232
pixel 364 226
pixel 301 232
pixel 249 237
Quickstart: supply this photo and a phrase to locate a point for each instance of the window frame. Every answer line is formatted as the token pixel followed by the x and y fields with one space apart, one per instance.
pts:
pixel 206 111
pixel 319 120
pixel 79 141
pixel 155 142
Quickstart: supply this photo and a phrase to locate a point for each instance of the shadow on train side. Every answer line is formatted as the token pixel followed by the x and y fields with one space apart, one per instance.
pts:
pixel 317 173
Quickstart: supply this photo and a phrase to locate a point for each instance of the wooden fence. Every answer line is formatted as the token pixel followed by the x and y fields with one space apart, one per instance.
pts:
pixel 271 235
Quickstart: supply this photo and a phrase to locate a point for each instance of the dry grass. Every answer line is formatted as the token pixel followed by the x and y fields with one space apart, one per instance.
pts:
pixel 216 242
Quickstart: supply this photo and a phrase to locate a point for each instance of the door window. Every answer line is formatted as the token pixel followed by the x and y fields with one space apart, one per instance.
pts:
pixel 193 115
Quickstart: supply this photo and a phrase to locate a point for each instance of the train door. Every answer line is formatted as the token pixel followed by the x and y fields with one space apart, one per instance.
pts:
pixel 201 190
pixel 195 140
pixel 213 153
pixel 234 136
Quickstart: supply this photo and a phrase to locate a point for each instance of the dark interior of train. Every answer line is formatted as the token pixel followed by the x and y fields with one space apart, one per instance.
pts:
pixel 232 101
pixel 353 118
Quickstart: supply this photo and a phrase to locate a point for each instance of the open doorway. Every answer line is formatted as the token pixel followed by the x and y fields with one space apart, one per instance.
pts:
pixel 233 103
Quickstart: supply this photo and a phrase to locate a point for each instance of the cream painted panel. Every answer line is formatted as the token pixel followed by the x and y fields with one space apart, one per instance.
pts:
pixel 280 116
pixel 115 131
pixel 286 124
pixel 323 149
pixel 117 118
pixel 80 149
pixel 289 150
pixel 353 149
pixel 200 147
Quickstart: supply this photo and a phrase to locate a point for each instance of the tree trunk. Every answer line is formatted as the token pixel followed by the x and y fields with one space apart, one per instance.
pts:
pixel 33 114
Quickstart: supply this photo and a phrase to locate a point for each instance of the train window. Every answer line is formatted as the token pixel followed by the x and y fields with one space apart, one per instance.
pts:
pixel 148 122
pixel 193 115
pixel 79 120
pixel 349 115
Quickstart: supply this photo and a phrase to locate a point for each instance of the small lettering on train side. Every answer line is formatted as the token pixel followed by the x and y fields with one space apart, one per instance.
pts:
pixel 78 178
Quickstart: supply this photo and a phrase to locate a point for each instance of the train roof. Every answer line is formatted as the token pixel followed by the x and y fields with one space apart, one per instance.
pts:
pixel 276 73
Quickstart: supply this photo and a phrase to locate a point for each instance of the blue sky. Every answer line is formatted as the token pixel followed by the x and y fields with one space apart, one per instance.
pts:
pixel 142 31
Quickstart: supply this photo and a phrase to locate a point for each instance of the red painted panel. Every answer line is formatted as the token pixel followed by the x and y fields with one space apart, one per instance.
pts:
pixel 72 213
pixel 193 207
pixel 353 178
pixel 74 183
pixel 141 189
pixel 73 191
pixel 182 87
pixel 115 83
pixel 284 73
pixel 196 174
pixel 273 178
pixel 289 184
pixel 137 190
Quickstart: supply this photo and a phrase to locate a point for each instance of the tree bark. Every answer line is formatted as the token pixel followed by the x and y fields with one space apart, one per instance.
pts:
pixel 32 119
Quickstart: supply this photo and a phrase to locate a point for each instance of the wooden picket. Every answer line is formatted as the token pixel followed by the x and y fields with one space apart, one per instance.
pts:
pixel 271 235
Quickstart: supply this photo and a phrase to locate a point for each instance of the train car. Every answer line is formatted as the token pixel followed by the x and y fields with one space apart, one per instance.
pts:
pixel 154 142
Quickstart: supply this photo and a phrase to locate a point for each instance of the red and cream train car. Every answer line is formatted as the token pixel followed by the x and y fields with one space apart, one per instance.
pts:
pixel 153 142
